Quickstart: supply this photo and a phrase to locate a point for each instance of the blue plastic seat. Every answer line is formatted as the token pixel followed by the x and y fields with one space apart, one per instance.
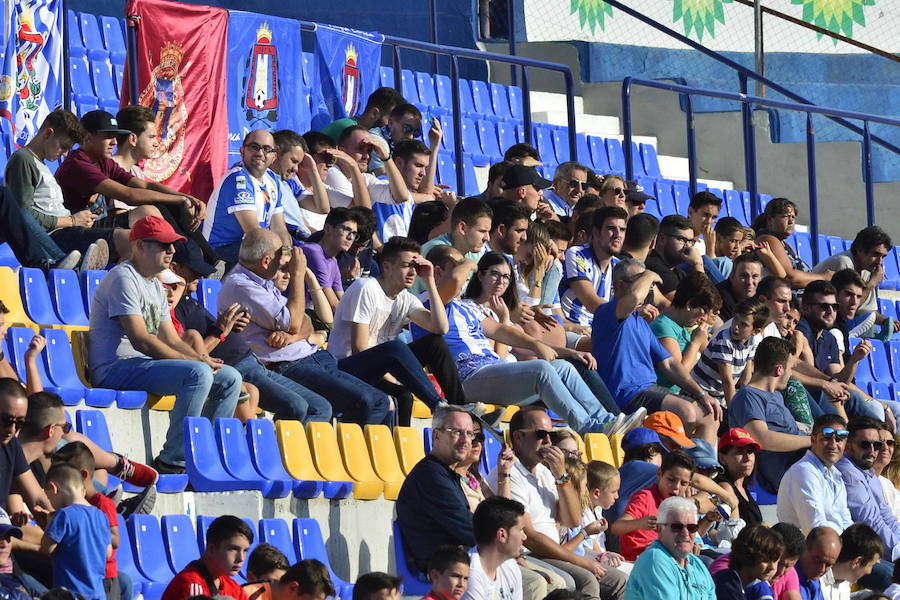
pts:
pixel 682 195
pixel 835 245
pixel 804 246
pixel 208 293
pixel 278 533
pixel 250 548
pixel 408 86
pixel 500 101
pixel 308 65
pixel 180 541
pixel 481 96
pixel 235 455
pixel 65 294
pixel 666 199
pixel 203 523
pixel 93 39
pixel 425 87
pixel 881 369
pixel 599 155
pixel 387 76
pixel 118 78
pixel 261 439
pixel 616 156
pixel 414 583
pixel 506 132
pixel 542 139
pixel 584 150
pixel 893 352
pixel 887 308
pixel 880 391
pixel 891 270
pixel 637 163
pixel 470 179
pixel 18 339
pixel 309 543
pixel 427 439
pixel 650 160
pixel 448 140
pixel 471 143
pixel 36 297
pixel 864 371
pixel 561 144
pixel 125 563
pixel 895 391
pixel 7 256
pixel 73 37
pixel 490 143
pixel 466 101
pixel 80 82
pixel 446 171
pixel 103 83
pixel 111 29
pixel 59 364
pixel 92 424
pixel 515 102
pixel 149 551
pixel 489 453
pixel 443 89
pixel 82 108
pixel 89 282
pixel 202 460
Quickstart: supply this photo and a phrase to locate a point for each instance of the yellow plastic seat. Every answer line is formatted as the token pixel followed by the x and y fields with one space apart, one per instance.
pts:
pixel 598 448
pixel 295 452
pixel 327 457
pixel 410 447
pixel 581 447
pixel 420 410
pixel 618 454
pixel 157 402
pixel 357 461
pixel 9 293
pixel 79 341
pixel 510 411
pixel 384 459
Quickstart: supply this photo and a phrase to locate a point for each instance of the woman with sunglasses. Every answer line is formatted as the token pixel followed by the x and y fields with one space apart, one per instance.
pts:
pixel 612 191
pixel 884 458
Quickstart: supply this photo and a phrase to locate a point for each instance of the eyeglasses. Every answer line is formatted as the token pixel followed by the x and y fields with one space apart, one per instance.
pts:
pixel 541 434
pixel 416 131
pixel 826 306
pixel 576 454
pixel 679 527
pixel 254 148
pixel 347 232
pixel 504 277
pixel 478 438
pixel 66 427
pixel 10 421
pixel 453 431
pixel 838 434
pixel 574 183
pixel 684 240
pixel 867 445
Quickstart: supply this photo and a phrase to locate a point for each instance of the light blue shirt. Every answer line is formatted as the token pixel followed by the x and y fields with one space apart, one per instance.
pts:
pixel 865 498
pixel 656 576
pixel 811 495
pixel 558 204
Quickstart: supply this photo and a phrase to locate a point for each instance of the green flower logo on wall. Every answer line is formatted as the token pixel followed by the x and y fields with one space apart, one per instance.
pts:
pixel 837 16
pixel 591 12
pixel 699 15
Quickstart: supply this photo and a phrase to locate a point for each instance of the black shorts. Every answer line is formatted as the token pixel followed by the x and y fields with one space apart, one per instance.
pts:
pixel 79 238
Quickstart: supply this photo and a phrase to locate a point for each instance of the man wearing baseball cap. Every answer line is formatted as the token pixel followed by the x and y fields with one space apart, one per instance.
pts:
pixel 524 184
pixel 90 178
pixel 635 198
pixel 134 346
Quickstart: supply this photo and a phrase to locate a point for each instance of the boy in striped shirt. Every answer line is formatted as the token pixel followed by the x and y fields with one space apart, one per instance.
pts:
pixel 727 361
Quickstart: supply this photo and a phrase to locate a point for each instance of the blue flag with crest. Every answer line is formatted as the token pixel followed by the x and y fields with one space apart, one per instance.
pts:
pixel 347 71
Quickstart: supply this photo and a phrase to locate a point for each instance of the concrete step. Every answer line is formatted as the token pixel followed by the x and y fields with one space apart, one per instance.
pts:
pixel 541 101
pixel 601 125
pixel 676 167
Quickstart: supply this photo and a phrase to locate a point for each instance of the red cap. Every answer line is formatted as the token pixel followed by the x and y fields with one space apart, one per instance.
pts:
pixel 738 438
pixel 154 228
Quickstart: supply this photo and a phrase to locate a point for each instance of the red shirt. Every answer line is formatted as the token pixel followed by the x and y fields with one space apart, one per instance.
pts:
pixel 108 508
pixel 189 582
pixel 79 175
pixel 643 502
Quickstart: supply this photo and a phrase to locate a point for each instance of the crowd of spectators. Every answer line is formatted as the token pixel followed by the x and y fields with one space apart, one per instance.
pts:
pixel 723 358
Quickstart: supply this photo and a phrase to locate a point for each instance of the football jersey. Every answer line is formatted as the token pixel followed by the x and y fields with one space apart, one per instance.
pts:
pixel 580 264
pixel 239 191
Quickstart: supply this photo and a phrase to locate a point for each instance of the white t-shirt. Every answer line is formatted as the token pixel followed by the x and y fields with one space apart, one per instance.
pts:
pixel 506 586
pixel 537 492
pixel 832 590
pixel 366 302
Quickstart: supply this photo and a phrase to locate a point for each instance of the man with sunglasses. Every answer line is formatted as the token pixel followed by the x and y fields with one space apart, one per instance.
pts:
pixel 812 492
pixel 865 498
pixel 568 187
pixel 668 568
pixel 249 197
pixel 134 346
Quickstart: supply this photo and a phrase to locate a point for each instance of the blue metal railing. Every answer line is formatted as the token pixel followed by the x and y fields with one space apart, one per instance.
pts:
pixel 748 104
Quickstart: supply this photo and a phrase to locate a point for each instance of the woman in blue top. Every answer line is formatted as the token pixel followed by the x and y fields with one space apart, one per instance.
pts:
pixel 773 227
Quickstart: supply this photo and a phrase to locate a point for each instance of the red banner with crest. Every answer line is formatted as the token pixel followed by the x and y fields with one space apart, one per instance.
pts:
pixel 181 64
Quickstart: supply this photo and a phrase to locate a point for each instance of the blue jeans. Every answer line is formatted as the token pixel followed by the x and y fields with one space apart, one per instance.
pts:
pixel 192 382
pixel 355 400
pixel 597 386
pixel 28 240
pixel 855 405
pixel 286 398
pixel 556 383
pixel 396 358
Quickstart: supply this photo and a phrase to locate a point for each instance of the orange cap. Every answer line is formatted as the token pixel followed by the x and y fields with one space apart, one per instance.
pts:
pixel 669 424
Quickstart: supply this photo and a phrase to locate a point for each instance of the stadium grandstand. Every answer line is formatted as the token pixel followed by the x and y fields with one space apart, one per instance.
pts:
pixel 482 300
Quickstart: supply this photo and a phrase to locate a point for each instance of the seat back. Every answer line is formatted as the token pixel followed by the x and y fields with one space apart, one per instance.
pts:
pixel 408 85
pixel 410 449
pixel 413 581
pixel 489 452
pixel 500 101
pixel 427 439
pixel 149 552
pixel 235 454
pixel 60 362
pixel 203 523
pixel 261 440
pixel 19 338
pixel 101 73
pixel 277 533
pixel 444 91
pixel 481 96
pixel 202 460
pixel 881 369
pixel 599 155
pixel 650 160
pixel 325 452
pixel 92 424
pixel 9 283
pixel 208 292
pixel 599 448
pixel 295 453
pixel 383 453
pixel 615 441
pixel 561 144
pixel 180 541
pixel 515 102
pixel 616 155
pixel 506 132
pixel 487 132
pixel 311 544
pixel 466 101
pixel 354 452
pixel 90 281
pixel 425 87
pixel 36 296
pixel 65 294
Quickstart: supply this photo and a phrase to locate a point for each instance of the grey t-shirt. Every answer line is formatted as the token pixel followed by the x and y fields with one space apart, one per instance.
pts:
pixel 123 291
pixel 844 260
pixel 33 184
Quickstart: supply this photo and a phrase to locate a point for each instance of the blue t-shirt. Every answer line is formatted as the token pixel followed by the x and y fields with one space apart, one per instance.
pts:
pixel 626 352
pixel 825 348
pixel 79 561
pixel 753 404
pixel 240 191
pixel 581 265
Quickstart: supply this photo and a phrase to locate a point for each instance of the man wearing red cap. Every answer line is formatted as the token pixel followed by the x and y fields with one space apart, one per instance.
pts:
pixel 134 346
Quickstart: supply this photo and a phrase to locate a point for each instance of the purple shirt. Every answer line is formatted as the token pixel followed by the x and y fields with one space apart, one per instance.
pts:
pixel 865 499
pixel 268 312
pixel 326 268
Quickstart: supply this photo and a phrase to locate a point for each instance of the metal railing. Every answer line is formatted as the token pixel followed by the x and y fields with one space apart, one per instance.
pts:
pixel 748 104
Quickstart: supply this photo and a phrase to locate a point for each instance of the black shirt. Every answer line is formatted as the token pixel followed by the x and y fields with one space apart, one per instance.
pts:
pixel 193 316
pixel 748 507
pixel 671 275
pixel 12 464
pixel 729 302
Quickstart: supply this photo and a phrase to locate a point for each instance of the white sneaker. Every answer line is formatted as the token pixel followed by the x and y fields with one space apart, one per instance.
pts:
pixel 70 261
pixel 615 425
pixel 636 419
pixel 96 257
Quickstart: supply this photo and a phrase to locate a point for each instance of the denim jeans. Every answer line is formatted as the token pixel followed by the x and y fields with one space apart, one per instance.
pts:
pixel 855 405
pixel 597 386
pixel 357 401
pixel 28 240
pixel 192 383
pixel 396 358
pixel 556 383
pixel 286 398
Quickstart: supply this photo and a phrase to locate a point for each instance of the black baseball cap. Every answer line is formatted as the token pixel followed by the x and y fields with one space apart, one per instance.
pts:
pixel 517 176
pixel 100 121
pixel 634 193
pixel 188 253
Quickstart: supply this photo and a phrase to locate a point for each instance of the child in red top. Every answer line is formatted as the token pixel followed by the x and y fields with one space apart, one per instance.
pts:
pixel 448 571
pixel 636 527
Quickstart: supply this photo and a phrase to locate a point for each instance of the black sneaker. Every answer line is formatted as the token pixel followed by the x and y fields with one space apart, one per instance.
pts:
pixel 140 504
pixel 165 468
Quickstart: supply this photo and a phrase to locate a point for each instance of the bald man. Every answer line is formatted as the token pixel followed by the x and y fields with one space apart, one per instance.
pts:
pixel 248 197
pixel 823 546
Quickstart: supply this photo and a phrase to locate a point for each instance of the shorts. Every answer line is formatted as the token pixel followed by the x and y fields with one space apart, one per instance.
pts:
pixel 650 398
pixel 119 220
pixel 79 238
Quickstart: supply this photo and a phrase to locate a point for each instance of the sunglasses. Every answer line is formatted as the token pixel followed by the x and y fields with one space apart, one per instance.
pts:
pixel 867 445
pixel 838 434
pixel 66 427
pixel 825 306
pixel 479 438
pixel 575 184
pixel 541 434
pixel 679 527
pixel 416 131
pixel 890 443
pixel 617 191
pixel 9 421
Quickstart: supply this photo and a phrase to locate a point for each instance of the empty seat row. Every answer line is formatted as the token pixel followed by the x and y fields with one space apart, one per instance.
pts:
pixel 882 364
pixel 103 40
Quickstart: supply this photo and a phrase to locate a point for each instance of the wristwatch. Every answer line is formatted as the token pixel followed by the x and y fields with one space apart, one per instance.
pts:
pixel 216 332
pixel 563 479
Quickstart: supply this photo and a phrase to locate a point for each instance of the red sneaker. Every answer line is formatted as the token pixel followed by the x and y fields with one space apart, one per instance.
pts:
pixel 135 473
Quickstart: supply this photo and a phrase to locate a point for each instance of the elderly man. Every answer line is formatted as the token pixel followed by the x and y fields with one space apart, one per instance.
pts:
pixel 668 568
pixel 569 182
pixel 432 509
pixel 823 546
pixel 281 335
pixel 249 197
